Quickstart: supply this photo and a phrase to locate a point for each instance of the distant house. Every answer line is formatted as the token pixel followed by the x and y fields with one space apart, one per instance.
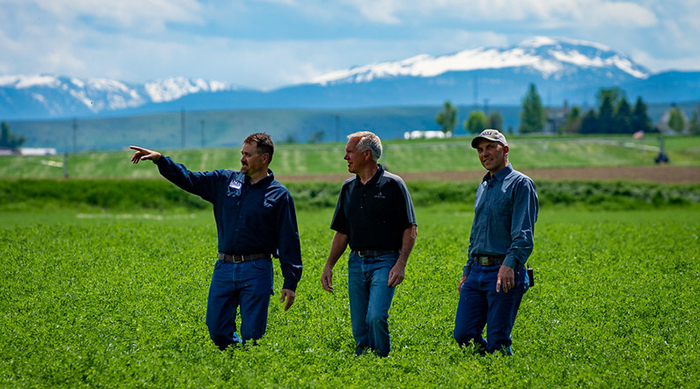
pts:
pixel 662 124
pixel 417 134
pixel 7 151
pixel 37 151
pixel 556 117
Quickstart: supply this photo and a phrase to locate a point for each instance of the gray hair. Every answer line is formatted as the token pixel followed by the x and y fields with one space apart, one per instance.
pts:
pixel 368 141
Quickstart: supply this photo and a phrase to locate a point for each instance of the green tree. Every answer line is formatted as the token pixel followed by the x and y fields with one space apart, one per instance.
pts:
pixel 676 122
pixel 615 94
pixel 695 124
pixel 447 118
pixel 532 116
pixel 573 121
pixel 8 139
pixel 317 136
pixel 623 117
pixel 606 116
pixel 495 121
pixel 640 118
pixel 476 122
pixel 589 123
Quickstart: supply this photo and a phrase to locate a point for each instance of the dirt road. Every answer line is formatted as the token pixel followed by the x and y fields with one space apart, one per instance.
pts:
pixel 661 174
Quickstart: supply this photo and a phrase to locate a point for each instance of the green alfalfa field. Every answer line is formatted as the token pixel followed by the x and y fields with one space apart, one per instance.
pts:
pixel 105 285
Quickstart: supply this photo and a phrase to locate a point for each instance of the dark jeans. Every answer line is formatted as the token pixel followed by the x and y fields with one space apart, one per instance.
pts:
pixel 370 300
pixel 248 285
pixel 480 305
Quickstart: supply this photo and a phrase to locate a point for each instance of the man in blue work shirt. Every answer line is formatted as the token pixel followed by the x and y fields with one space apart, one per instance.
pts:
pixel 255 220
pixel 495 278
pixel 375 217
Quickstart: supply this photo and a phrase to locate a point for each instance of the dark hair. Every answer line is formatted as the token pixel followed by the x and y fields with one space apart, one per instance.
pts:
pixel 262 142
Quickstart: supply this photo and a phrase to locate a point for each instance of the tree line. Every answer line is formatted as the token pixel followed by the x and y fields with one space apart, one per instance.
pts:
pixel 613 115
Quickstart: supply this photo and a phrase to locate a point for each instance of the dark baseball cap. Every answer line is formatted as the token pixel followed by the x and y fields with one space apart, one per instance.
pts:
pixel 492 135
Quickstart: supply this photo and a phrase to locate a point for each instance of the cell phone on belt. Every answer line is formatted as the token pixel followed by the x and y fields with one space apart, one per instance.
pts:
pixel 531 276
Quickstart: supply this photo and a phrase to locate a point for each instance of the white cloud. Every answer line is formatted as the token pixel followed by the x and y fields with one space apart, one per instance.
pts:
pixel 145 15
pixel 268 43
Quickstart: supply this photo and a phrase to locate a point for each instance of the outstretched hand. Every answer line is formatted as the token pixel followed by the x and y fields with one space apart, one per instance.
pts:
pixel 142 154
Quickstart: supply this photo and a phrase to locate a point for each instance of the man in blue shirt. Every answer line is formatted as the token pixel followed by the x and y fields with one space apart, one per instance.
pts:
pixel 255 220
pixel 375 217
pixel 495 278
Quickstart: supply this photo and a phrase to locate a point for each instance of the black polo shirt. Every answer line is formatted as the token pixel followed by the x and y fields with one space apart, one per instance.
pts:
pixel 375 215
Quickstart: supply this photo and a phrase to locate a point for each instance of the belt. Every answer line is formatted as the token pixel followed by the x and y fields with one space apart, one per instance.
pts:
pixel 375 253
pixel 242 258
pixel 489 260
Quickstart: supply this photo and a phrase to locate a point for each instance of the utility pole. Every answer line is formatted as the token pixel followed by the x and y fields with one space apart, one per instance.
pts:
pixel 201 123
pixel 337 128
pixel 75 134
pixel 182 126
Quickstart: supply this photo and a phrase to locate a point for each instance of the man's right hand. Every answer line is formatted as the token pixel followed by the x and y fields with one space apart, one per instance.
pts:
pixel 142 154
pixel 459 288
pixel 327 279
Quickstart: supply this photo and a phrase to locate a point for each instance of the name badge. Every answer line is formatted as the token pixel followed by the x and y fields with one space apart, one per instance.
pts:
pixel 234 188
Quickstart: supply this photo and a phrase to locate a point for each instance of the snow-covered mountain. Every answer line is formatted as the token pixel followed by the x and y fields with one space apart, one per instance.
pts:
pixel 55 96
pixel 552 58
pixel 562 70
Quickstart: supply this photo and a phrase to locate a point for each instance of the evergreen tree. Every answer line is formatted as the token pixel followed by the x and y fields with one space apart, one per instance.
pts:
pixel 573 122
pixel 640 118
pixel 532 116
pixel 495 121
pixel 606 116
pixel 589 123
pixel 476 122
pixel 447 118
pixel 695 124
pixel 623 117
pixel 615 94
pixel 8 139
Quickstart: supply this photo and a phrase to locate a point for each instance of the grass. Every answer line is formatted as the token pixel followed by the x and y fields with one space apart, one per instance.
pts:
pixel 400 156
pixel 112 299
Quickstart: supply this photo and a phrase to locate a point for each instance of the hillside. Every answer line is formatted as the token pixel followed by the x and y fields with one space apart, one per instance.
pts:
pixel 416 159
pixel 215 129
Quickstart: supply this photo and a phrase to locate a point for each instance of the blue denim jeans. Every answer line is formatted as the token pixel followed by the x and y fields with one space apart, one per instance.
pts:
pixel 480 305
pixel 247 285
pixel 370 300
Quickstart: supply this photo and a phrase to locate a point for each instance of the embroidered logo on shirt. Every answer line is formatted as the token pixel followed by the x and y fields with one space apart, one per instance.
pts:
pixel 234 188
pixel 379 195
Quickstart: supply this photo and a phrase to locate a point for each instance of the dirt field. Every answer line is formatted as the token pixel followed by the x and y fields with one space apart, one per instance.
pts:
pixel 660 174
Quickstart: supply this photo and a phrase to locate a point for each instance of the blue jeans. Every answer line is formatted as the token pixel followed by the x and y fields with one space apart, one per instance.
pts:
pixel 370 300
pixel 248 285
pixel 480 305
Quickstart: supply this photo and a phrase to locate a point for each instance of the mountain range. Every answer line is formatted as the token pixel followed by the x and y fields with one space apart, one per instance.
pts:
pixel 563 70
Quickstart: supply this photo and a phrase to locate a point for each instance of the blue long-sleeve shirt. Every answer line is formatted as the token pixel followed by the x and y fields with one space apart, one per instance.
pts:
pixel 505 212
pixel 250 219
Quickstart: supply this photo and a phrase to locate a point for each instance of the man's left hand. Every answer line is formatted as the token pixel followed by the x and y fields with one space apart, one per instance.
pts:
pixel 397 274
pixel 506 279
pixel 289 295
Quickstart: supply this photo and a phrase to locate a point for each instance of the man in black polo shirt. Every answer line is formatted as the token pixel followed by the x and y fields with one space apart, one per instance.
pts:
pixel 375 216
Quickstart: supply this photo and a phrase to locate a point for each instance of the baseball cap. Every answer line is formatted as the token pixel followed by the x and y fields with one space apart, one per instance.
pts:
pixel 492 135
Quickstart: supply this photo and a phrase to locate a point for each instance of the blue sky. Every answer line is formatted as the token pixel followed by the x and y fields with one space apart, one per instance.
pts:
pixel 271 43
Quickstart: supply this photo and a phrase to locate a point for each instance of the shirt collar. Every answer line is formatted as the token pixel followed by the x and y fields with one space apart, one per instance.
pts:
pixel 501 174
pixel 266 180
pixel 374 179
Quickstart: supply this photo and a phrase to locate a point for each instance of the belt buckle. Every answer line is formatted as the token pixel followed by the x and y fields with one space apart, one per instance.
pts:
pixel 483 260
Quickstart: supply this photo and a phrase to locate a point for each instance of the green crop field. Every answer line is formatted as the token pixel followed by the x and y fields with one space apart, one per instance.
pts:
pixel 400 156
pixel 117 299
pixel 105 277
